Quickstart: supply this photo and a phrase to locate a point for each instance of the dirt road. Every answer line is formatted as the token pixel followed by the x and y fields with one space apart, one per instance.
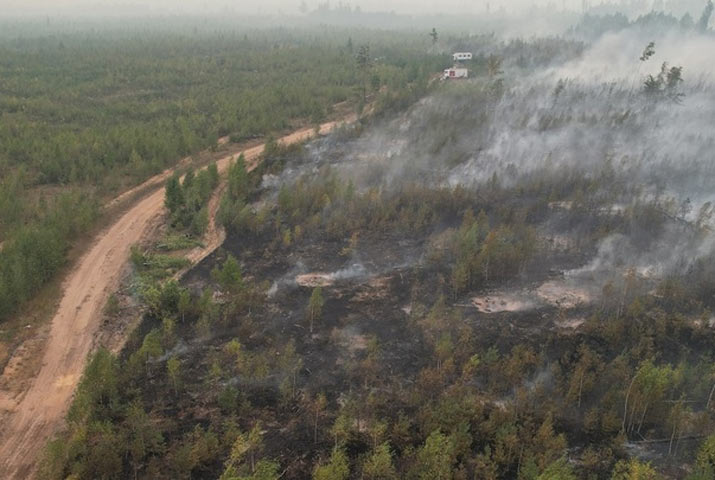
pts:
pixel 34 418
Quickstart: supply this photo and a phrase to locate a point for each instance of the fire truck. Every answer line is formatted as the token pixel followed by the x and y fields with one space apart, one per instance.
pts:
pixel 455 73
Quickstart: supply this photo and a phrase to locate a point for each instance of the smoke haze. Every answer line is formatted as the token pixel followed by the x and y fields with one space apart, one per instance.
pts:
pixel 584 115
pixel 289 7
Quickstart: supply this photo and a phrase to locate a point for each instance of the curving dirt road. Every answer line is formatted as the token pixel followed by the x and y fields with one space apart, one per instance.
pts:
pixel 34 418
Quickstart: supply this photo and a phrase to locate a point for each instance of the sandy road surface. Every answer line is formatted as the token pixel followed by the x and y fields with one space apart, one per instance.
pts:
pixel 34 418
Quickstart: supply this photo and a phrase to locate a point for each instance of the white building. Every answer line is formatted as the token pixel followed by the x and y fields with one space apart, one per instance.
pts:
pixel 462 56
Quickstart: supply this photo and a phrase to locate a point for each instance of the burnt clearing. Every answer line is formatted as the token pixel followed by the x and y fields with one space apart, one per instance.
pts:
pixel 389 301
pixel 380 291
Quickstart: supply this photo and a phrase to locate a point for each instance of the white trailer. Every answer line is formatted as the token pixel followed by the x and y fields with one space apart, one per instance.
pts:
pixel 462 56
pixel 455 73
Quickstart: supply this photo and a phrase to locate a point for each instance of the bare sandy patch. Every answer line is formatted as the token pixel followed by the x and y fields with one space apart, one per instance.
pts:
pixel 350 339
pixel 503 302
pixel 313 280
pixel 322 279
pixel 570 323
pixel 561 294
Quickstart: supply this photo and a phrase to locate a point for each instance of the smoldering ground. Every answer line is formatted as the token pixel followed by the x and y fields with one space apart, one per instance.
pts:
pixel 587 118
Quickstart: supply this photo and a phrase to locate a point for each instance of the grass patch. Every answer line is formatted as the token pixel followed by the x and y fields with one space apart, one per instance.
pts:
pixel 157 265
pixel 177 241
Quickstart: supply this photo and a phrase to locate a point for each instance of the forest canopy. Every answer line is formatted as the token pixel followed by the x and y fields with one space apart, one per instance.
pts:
pixel 86 114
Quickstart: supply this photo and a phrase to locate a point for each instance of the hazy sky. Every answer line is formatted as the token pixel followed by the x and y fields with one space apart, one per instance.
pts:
pixel 269 6
pixel 453 7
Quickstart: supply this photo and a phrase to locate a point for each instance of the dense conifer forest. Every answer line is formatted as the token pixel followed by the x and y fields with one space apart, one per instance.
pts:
pixel 85 114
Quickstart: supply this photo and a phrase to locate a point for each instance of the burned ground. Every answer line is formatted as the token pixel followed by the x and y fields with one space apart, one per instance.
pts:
pixel 381 289
pixel 395 337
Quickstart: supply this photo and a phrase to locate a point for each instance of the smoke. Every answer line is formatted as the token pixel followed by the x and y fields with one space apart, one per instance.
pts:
pixel 673 252
pixel 298 276
pixel 585 117
pixel 288 279
pixel 615 57
pixel 575 116
pixel 356 270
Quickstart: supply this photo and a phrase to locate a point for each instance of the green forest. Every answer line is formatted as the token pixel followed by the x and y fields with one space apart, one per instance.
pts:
pixel 86 114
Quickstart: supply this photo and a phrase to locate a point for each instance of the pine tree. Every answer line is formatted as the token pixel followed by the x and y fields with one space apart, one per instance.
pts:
pixel 315 306
pixel 174 198
pixel 336 469
pixel 705 17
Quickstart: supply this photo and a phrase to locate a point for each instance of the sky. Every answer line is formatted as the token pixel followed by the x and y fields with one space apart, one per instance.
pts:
pixel 271 6
pixel 291 7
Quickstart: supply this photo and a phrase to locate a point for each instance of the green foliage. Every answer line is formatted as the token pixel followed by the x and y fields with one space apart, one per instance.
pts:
pixel 243 457
pixel 98 391
pixel 634 470
pixel 150 350
pixel 336 469
pixel 436 458
pixel 157 266
pixel 233 212
pixel 177 241
pixel 174 196
pixel 173 369
pixel 702 473
pixel 265 470
pixel 237 182
pixel 444 416
pixel 102 459
pixel 706 454
pixel 143 438
pixel 392 387
pixel 364 65
pixel 649 385
pixel 315 306
pixel 665 85
pixel 229 399
pixel 33 253
pixel 178 100
pixel 558 470
pixel 111 308
pixel 229 276
pixel 103 431
pixel 378 465
pixel 187 200
pixel 483 254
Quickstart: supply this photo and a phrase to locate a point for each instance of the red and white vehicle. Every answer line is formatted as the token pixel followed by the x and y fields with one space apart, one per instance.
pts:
pixel 455 73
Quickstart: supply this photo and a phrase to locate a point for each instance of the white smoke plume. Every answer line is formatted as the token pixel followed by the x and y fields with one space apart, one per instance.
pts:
pixel 588 115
